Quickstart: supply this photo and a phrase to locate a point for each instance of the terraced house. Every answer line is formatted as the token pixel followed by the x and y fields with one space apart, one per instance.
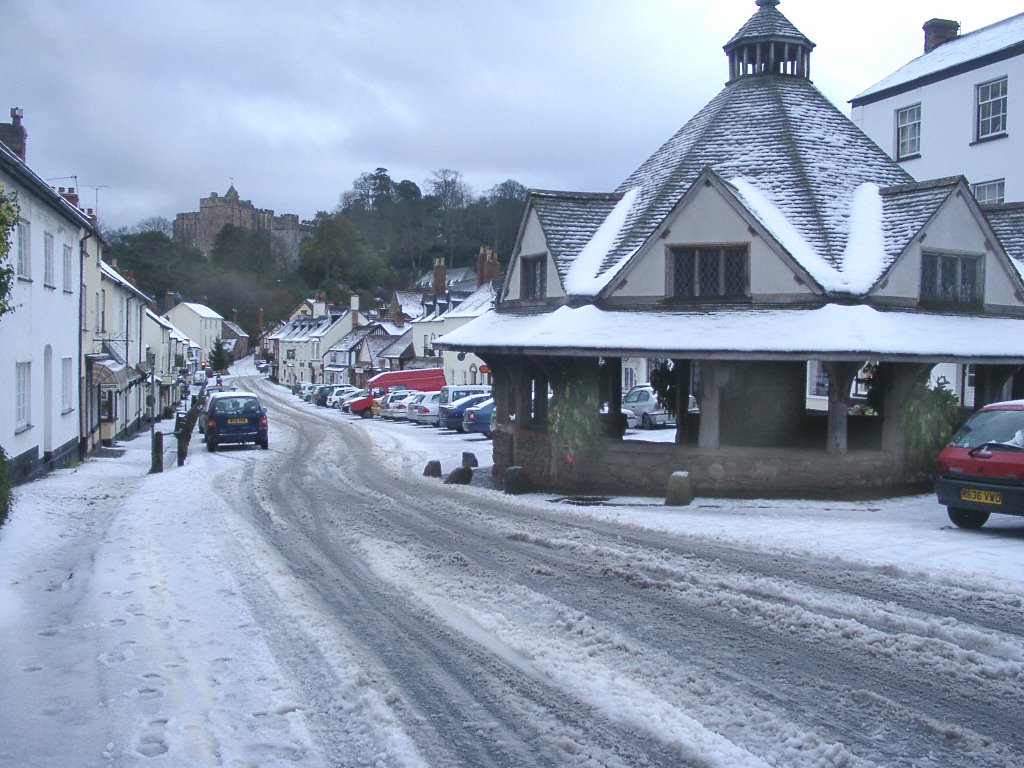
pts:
pixel 768 235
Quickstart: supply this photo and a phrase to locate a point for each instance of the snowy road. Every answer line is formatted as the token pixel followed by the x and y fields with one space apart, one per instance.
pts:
pixel 322 603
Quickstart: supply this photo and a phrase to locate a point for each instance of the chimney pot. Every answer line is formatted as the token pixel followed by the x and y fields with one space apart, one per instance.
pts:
pixel 13 134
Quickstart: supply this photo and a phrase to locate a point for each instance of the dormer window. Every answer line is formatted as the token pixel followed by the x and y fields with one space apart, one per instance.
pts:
pixel 951 279
pixel 705 272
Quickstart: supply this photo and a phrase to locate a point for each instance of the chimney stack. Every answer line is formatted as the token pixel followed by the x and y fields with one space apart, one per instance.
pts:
pixel 481 259
pixel 492 267
pixel 234 316
pixel 70 194
pixel 439 276
pixel 13 134
pixel 353 304
pixel 939 31
pixel 259 322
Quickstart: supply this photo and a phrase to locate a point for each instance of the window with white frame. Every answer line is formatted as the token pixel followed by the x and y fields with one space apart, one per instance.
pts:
pixel 991 114
pixel 908 132
pixel 48 266
pixel 66 374
pixel 990 191
pixel 68 284
pixel 24 264
pixel 23 381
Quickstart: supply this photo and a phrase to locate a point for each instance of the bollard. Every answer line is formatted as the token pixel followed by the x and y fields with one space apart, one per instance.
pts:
pixel 680 490
pixel 158 453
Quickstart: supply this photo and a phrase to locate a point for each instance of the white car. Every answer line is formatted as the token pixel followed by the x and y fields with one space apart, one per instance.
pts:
pixel 424 410
pixel 334 398
pixel 647 408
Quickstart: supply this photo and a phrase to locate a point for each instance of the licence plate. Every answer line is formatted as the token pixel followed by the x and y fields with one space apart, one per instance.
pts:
pixel 981 497
pixel 238 421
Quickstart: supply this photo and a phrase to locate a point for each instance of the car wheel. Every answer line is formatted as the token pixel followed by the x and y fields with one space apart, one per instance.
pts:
pixel 966 518
pixel 211 446
pixel 366 413
pixel 265 444
pixel 646 421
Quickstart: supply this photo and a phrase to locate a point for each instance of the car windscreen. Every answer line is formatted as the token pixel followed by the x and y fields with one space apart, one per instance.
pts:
pixel 992 428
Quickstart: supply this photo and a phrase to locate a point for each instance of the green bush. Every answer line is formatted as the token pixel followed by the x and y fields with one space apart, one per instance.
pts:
pixel 5 486
pixel 929 417
pixel 576 426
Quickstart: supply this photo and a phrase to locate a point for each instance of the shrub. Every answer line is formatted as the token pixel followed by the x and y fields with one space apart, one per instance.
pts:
pixel 929 417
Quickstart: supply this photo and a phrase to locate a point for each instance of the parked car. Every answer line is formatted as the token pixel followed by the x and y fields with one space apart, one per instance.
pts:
pixel 321 393
pixel 346 401
pixel 305 388
pixel 236 417
pixel 411 380
pixel 452 392
pixel 425 410
pixel 400 405
pixel 981 471
pixel 450 416
pixel 477 418
pixel 338 393
pixel 382 405
pixel 647 408
pixel 199 377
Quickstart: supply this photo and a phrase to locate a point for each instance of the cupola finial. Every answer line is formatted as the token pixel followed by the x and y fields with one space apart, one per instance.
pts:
pixel 768 44
pixel 769 3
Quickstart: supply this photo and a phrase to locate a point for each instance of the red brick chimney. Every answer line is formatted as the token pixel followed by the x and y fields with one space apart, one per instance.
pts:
pixel 168 300
pixel 234 316
pixel 939 31
pixel 481 259
pixel 439 276
pixel 69 194
pixel 492 267
pixel 13 134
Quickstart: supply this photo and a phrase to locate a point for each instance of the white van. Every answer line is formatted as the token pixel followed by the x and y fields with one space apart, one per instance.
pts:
pixel 452 392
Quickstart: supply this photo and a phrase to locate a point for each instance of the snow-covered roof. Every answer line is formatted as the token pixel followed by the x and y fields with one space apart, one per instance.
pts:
pixel 410 302
pixel 767 22
pixel 236 329
pixel 397 347
pixel 1004 38
pixel 475 304
pixel 163 322
pixel 116 277
pixel 796 162
pixel 201 309
pixel 834 331
pixel 1008 222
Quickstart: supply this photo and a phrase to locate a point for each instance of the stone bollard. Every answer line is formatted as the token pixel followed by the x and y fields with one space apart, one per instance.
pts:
pixel 516 481
pixel 680 490
pixel 469 459
pixel 460 476
pixel 433 469
pixel 157 464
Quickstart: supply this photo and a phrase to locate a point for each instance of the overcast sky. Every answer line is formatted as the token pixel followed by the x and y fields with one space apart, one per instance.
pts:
pixel 153 105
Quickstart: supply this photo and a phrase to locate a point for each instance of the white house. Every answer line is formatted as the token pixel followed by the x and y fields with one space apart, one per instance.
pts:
pixel 39 356
pixel 199 323
pixel 166 352
pixel 950 111
pixel 114 354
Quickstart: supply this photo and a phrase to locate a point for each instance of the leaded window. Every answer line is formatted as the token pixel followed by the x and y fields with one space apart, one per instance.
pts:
pixel 22 408
pixel 710 272
pixel 908 132
pixel 534 278
pixel 67 268
pixel 24 264
pixel 48 266
pixel 991 117
pixel 951 279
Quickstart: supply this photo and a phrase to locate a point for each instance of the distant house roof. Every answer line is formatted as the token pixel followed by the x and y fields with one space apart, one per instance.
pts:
pixel 984 46
pixel 116 277
pixel 398 348
pixel 201 309
pixel 236 329
pixel 474 305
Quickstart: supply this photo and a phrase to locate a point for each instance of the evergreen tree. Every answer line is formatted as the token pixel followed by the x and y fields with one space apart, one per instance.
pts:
pixel 220 360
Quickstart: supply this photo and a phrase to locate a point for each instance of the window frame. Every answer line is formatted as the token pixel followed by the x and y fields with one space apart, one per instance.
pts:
pixel 533 277
pixel 68 268
pixel 23 397
pixel 914 141
pixel 1000 184
pixel 980 105
pixel 944 260
pixel 66 390
pixel 23 264
pixel 700 256
pixel 49 268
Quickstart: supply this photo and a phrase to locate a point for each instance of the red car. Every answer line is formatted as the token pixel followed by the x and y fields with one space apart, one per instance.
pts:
pixel 981 471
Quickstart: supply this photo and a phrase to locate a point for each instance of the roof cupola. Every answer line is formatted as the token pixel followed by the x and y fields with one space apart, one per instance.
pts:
pixel 768 44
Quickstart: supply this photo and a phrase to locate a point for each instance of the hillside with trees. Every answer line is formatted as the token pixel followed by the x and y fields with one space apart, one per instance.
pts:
pixel 383 235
